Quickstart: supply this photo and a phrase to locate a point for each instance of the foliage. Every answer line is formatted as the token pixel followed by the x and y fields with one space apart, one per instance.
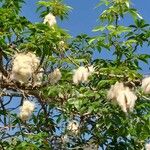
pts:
pixel 102 124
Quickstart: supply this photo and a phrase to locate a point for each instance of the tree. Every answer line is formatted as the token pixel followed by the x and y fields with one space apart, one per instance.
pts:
pixel 55 96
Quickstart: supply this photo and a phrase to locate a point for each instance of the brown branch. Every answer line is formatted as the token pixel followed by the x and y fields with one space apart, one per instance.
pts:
pixel 4 72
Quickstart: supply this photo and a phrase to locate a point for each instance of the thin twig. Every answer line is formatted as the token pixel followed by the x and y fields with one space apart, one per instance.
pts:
pixel 72 60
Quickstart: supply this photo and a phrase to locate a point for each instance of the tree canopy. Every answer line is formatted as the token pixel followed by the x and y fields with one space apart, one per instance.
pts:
pixel 55 96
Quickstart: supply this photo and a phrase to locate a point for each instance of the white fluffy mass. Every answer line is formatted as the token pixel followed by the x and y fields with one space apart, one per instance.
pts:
pixel 123 96
pixel 115 90
pixel 82 74
pixel 24 66
pixel 50 19
pixel 147 146
pixel 54 76
pixel 26 110
pixel 38 77
pixel 73 126
pixel 146 85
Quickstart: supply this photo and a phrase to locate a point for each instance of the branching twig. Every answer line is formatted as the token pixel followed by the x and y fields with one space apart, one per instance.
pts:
pixel 143 96
pixel 4 110
pixel 135 48
pixel 72 60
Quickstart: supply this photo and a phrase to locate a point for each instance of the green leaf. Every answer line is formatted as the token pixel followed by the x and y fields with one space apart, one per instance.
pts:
pixel 144 57
pixel 111 27
pixel 103 2
pixel 99 28
pixel 135 14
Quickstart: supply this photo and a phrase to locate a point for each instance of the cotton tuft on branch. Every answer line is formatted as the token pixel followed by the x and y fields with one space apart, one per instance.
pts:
pixel 114 90
pixel 82 74
pixel 26 110
pixel 73 126
pixel 50 19
pixel 147 146
pixel 123 96
pixel 24 66
pixel 38 77
pixel 54 76
pixel 146 85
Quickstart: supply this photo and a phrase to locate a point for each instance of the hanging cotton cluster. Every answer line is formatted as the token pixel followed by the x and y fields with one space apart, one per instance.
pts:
pixel 24 66
pixel 123 96
pixel 146 85
pixel 38 77
pixel 147 146
pixel 26 110
pixel 54 76
pixel 50 19
pixel 82 74
pixel 73 126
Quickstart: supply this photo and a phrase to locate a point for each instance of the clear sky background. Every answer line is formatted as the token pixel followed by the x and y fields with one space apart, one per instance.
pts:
pixel 84 17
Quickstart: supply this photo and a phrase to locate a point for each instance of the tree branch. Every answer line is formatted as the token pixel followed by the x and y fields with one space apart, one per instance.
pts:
pixel 4 72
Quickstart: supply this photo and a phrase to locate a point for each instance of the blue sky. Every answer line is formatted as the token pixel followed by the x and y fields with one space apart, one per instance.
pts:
pixel 84 17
